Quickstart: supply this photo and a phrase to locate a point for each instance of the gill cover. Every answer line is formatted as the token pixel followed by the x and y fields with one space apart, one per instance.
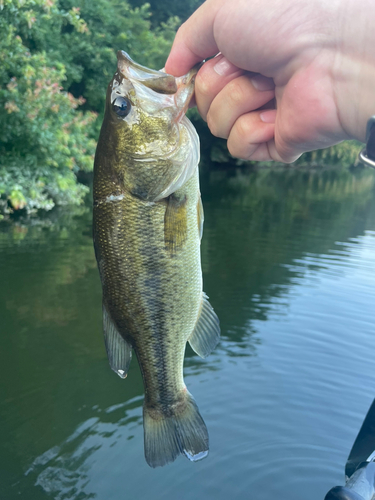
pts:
pixel 161 98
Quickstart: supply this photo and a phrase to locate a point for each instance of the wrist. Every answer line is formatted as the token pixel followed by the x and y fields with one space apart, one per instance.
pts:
pixel 354 68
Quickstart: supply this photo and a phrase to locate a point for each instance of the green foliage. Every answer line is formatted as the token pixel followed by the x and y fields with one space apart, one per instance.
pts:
pixel 44 138
pixel 344 154
pixel 89 51
pixel 162 11
pixel 56 60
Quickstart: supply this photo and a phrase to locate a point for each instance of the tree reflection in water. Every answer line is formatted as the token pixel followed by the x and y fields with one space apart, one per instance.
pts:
pixel 62 471
pixel 264 232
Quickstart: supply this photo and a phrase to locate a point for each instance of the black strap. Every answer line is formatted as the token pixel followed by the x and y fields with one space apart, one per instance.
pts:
pixel 342 493
pixel 370 138
pixel 367 155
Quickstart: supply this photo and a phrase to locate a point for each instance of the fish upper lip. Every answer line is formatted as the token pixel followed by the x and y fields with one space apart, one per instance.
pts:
pixel 160 82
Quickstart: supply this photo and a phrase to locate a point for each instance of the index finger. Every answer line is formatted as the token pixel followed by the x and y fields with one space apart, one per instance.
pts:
pixel 194 40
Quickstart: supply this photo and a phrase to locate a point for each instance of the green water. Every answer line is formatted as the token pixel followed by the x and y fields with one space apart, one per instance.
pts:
pixel 289 265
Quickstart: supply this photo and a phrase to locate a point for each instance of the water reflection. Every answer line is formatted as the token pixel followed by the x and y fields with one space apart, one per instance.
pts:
pixel 260 223
pixel 64 471
pixel 71 429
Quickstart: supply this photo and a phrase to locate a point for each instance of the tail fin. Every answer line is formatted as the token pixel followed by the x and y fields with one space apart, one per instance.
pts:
pixel 181 430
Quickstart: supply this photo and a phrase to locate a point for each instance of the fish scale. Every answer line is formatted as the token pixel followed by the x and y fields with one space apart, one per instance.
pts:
pixel 147 230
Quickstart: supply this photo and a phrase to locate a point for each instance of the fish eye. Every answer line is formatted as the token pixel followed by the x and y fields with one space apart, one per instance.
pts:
pixel 121 106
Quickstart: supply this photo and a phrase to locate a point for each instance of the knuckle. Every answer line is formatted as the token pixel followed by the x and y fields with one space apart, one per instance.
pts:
pixel 243 128
pixel 202 86
pixel 180 31
pixel 239 142
pixel 236 93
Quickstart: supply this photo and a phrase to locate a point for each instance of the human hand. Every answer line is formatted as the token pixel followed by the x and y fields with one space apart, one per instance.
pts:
pixel 314 59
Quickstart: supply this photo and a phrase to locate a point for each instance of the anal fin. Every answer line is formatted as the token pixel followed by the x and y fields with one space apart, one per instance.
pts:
pixel 206 333
pixel 119 351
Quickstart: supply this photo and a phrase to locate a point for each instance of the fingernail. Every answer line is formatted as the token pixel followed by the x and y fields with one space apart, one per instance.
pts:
pixel 261 82
pixel 268 116
pixel 224 67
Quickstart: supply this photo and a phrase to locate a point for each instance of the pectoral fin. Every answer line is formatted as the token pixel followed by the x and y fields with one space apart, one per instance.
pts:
pixel 175 224
pixel 206 334
pixel 119 351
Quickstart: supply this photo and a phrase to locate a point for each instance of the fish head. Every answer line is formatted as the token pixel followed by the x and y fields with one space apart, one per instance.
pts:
pixel 153 145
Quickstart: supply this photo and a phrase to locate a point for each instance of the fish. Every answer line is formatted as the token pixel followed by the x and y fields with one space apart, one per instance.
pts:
pixel 147 225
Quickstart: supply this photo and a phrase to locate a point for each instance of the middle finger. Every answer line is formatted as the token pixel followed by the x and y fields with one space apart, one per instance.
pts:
pixel 241 95
pixel 211 79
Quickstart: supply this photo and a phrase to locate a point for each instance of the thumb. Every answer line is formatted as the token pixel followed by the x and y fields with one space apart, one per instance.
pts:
pixel 195 39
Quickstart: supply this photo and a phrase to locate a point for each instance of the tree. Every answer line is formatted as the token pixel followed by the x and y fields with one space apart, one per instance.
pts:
pixel 56 60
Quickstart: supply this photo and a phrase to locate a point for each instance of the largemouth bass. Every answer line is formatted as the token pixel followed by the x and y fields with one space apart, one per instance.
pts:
pixel 148 221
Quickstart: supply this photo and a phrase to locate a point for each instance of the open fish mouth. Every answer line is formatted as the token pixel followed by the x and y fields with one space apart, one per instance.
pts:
pixel 158 81
pixel 174 93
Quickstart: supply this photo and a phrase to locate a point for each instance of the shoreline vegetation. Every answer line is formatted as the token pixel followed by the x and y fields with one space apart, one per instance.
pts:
pixel 56 60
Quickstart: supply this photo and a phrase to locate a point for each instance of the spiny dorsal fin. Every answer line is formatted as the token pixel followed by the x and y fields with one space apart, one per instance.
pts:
pixel 206 334
pixel 119 351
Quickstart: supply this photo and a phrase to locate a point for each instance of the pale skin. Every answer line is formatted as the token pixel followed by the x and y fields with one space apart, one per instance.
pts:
pixel 291 75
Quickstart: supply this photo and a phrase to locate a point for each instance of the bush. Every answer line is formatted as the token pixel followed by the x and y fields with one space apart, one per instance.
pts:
pixel 44 138
pixel 56 60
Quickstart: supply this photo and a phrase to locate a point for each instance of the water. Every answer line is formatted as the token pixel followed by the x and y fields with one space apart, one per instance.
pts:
pixel 289 265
